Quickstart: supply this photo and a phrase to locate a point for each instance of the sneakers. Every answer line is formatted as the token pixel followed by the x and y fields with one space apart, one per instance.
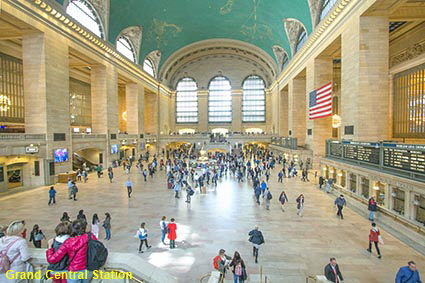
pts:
pixel 140 252
pixel 379 256
pixel 369 250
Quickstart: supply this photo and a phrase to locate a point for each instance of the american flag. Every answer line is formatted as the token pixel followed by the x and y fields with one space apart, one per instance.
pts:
pixel 321 102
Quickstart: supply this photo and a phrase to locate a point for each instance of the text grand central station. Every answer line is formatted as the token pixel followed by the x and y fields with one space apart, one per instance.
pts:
pixel 213 141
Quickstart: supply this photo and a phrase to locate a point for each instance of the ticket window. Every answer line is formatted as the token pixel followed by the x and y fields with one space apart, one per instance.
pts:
pixel 379 193
pixel 419 204
pixel 353 182
pixel 365 187
pixel 398 197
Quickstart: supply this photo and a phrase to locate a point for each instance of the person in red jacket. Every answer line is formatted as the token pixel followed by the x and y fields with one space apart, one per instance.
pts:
pixel 374 235
pixel 76 249
pixel 172 235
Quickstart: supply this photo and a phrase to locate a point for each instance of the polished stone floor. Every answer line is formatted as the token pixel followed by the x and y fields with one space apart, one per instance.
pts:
pixel 295 247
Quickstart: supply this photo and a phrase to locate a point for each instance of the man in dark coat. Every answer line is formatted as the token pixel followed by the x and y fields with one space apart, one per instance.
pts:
pixel 257 239
pixel 332 271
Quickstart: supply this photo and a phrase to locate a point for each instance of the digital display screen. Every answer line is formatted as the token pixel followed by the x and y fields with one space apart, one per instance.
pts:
pixel 61 155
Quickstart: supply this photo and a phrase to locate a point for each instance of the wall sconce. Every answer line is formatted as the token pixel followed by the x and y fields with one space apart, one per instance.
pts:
pixel 376 188
pixel 416 201
pixel 340 174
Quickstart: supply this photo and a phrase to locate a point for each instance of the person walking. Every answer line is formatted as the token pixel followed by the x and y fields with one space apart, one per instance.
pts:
pixel 374 237
pixel 332 271
pixel 85 176
pixel 340 203
pixel 257 193
pixel 74 191
pixel 239 268
pixel 176 189
pixel 81 215
pixel 107 225
pixel 372 207
pixel 95 225
pixel 70 186
pixel 189 193
pixel 268 196
pixel 257 239
pixel 282 199
pixel 408 274
pixel 163 226
pixel 142 234
pixel 172 235
pixel 16 249
pixel 129 185
pixel 300 205
pixel 221 262
pixel 36 236
pixel 52 195
pixel 110 174
pixel 321 182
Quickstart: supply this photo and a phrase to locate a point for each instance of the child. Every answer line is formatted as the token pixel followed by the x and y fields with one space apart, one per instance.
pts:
pixel 63 232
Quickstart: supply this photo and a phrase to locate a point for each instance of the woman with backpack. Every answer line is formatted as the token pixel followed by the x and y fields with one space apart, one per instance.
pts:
pixel 221 263
pixel 239 268
pixel 76 249
pixel 36 236
pixel 14 252
pixel 142 234
pixel 107 225
pixel 95 225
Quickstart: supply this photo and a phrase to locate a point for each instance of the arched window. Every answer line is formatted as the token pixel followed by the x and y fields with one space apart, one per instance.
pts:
pixel 253 100
pixel 326 7
pixel 125 47
pixel 84 13
pixel 148 67
pixel 220 100
pixel 302 38
pixel 187 101
pixel 285 61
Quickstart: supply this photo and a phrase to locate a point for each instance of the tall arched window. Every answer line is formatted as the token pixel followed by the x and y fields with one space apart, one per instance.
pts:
pixel 326 7
pixel 253 100
pixel 84 13
pixel 148 67
pixel 302 38
pixel 186 101
pixel 125 47
pixel 220 100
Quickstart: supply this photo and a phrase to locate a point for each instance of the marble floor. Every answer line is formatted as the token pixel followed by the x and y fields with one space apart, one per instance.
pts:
pixel 295 246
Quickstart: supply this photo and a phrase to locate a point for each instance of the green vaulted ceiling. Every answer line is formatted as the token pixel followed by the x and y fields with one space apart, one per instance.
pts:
pixel 169 25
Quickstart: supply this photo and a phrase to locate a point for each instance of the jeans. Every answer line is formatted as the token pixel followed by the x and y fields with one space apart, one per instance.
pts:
pixel 108 233
pixel 129 191
pixel 141 244
pixel 52 199
pixel 339 213
pixel 163 235
pixel 237 279
pixel 371 215
pixel 73 277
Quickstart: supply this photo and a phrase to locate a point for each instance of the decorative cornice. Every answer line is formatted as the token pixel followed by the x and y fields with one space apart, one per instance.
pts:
pixel 134 34
pixel 155 58
pixel 293 28
pixel 102 9
pixel 315 10
pixel 279 53
pixel 408 53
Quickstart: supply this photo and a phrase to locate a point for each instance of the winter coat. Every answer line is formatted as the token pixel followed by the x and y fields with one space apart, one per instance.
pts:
pixel 340 201
pixel 172 227
pixel 283 198
pixel 256 237
pixel 374 234
pixel 19 250
pixel 107 223
pixel 75 248
pixel 64 262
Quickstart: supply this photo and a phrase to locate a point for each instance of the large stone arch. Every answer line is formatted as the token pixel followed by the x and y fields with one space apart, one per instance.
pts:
pixel 134 35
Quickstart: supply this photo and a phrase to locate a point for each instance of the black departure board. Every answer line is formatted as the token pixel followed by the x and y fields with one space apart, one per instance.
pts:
pixel 362 151
pixel 335 149
pixel 406 157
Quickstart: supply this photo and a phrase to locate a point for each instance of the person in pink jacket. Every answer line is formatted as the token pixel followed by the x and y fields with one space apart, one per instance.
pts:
pixel 76 249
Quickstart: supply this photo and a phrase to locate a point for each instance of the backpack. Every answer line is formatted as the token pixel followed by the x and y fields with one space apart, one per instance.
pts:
pixel 215 262
pixel 191 192
pixel 96 254
pixel 269 196
pixel 5 262
pixel 238 270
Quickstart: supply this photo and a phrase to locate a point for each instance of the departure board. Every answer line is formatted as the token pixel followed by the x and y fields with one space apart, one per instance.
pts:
pixel 406 157
pixel 335 149
pixel 362 151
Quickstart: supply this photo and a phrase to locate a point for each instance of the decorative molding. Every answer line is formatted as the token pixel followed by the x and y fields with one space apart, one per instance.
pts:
pixel 134 34
pixel 102 9
pixel 408 53
pixel 293 28
pixel 155 57
pixel 315 11
pixel 280 54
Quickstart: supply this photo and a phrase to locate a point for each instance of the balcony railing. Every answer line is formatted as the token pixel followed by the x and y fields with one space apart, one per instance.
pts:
pixel 89 136
pixel 23 137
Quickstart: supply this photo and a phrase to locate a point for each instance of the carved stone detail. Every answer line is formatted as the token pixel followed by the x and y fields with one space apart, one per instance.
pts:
pixel 155 57
pixel 408 54
pixel 134 34
pixel 315 10
pixel 102 8
pixel 293 28
pixel 280 54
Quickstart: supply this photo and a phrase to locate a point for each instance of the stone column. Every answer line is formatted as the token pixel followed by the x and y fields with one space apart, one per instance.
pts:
pixel 365 80
pixel 296 109
pixel 236 110
pixel 319 73
pixel 283 112
pixel 203 110
pixel 46 91
pixel 150 112
pixel 407 204
pixel 135 97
